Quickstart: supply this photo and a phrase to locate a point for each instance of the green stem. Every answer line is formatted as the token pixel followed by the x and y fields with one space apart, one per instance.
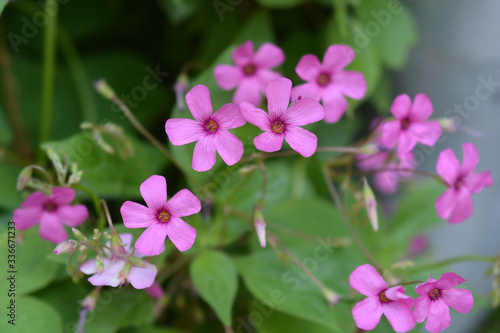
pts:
pixel 340 16
pixel 101 218
pixel 446 263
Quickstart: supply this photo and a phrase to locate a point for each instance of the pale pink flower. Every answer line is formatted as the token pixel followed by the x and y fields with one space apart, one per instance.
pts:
pixel 381 300
pixel 52 212
pixel 410 125
pixel 455 204
pixel 210 130
pixel 328 82
pixel 162 218
pixel 436 298
pixel 116 270
pixel 283 121
pixel 251 73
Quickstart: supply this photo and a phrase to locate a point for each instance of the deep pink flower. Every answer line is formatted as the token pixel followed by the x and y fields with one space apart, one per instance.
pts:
pixel 52 212
pixel 381 300
pixel 210 130
pixel 252 72
pixel 116 270
pixel 283 122
pixel 328 82
pixel 155 291
pixel 162 218
pixel 455 204
pixel 410 125
pixel 436 297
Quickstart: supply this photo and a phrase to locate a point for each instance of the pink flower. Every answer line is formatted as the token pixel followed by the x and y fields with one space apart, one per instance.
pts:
pixel 455 204
pixel 283 122
pixel 155 291
pixel 252 72
pixel 162 218
pixel 117 269
pixel 210 130
pixel 329 82
pixel 381 300
pixel 436 297
pixel 410 125
pixel 52 212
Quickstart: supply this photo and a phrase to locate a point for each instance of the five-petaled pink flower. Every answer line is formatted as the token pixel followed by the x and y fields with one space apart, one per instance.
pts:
pixel 283 122
pixel 52 212
pixel 455 204
pixel 410 125
pixel 329 82
pixel 252 72
pixel 116 269
pixel 381 300
pixel 210 130
pixel 162 218
pixel 436 297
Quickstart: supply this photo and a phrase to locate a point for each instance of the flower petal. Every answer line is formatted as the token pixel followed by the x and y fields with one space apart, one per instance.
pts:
pixel 62 195
pixel 406 143
pixel 401 106
pixel 229 147
pixel 89 267
pixel 421 108
pixel 426 133
pixel 448 167
pixel 350 83
pixel 266 76
pixel 301 140
pixel 278 97
pixel 308 68
pixel 303 112
pixel 475 183
pixel 367 313
pixel 229 116
pixel 422 305
pixel 243 54
pixel 110 275
pixel 37 199
pixel 72 216
pixel 460 300
pixel 51 228
pixel 181 234
pixel 335 105
pixel 198 101
pixel 255 116
pixel 227 76
pixel 337 57
pixel 154 192
pixel 137 216
pixel 367 281
pixel 446 203
pixel 183 203
pixel 439 316
pixel 425 288
pixel 386 181
pixel 248 91
pixel 449 280
pixel 151 242
pixel 142 277
pixel 463 208
pixel 470 158
pixel 27 217
pixel 391 131
pixel 183 131
pixel 268 56
pixel 306 90
pixel 399 315
pixel 204 154
pixel 268 141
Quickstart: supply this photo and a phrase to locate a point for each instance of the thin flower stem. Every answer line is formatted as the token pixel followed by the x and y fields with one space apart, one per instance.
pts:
pixel 419 172
pixel 101 220
pixel 446 263
pixel 45 173
pixel 108 216
pixel 336 199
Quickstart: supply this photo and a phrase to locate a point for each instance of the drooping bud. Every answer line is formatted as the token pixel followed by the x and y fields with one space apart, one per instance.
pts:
pixel 90 301
pixel 180 88
pixel 332 297
pixel 102 87
pixel 370 204
pixel 78 234
pixel 260 228
pixel 65 247
pixel 369 149
pixel 24 177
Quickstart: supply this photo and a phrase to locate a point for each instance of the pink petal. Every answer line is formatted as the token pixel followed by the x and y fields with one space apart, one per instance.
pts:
pixel 425 288
pixel 475 183
pixel 137 216
pixel 397 293
pixel 51 228
pixel 27 217
pixel 303 112
pixel 62 195
pixel 366 280
pixel 406 143
pixel 448 167
pixel 268 141
pixel 367 313
pixel 183 203
pixel 229 147
pixel 337 57
pixel 243 54
pixel 126 239
pixel 426 133
pixel 386 182
pixel 439 316
pixel 265 77
pixel 204 154
pixel 198 101
pixel 449 280
pixel 89 267
pixel 181 234
pixel 463 208
pixel 151 242
pixel 301 140
pixel 306 90
pixel 278 97
pixel 470 158
pixel 335 105
pixel 422 305
pixel 248 91
pixel 229 116
pixel 399 315
pixel 421 108
pixel 401 106
pixel 72 216
pixel 255 116
pixel 460 300
pixel 227 76
pixel 308 68
pixel 142 277
pixel 350 83
pixel 37 199
pixel 446 203
pixel 154 192
pixel 183 131
pixel 110 275
pixel 391 131
pixel 155 291
pixel 268 56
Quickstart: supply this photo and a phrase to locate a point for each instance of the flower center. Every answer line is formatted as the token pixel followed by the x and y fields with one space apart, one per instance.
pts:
pixel 212 125
pixel 434 294
pixel 50 206
pixel 278 126
pixel 249 70
pixel 459 183
pixel 405 123
pixel 164 216
pixel 383 298
pixel 323 79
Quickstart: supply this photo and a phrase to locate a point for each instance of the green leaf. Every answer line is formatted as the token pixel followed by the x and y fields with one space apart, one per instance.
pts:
pixel 3 3
pixel 281 3
pixel 277 320
pixel 31 315
pixel 214 275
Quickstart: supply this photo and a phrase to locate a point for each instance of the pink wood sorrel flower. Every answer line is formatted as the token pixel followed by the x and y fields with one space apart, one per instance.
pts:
pixel 210 130
pixel 381 300
pixel 252 72
pixel 410 125
pixel 162 218
pixel 436 297
pixel 52 212
pixel 455 204
pixel 328 82
pixel 283 122
pixel 115 269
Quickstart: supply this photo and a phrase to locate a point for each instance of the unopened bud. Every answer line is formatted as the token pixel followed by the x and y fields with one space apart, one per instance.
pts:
pixel 247 169
pixel 78 234
pixel 24 177
pixel 65 247
pixel 260 228
pixel 370 204
pixel 180 88
pixel 369 149
pixel 448 124
pixel 332 297
pixel 104 89
pixel 90 301
pixel 138 262
pixel 155 291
